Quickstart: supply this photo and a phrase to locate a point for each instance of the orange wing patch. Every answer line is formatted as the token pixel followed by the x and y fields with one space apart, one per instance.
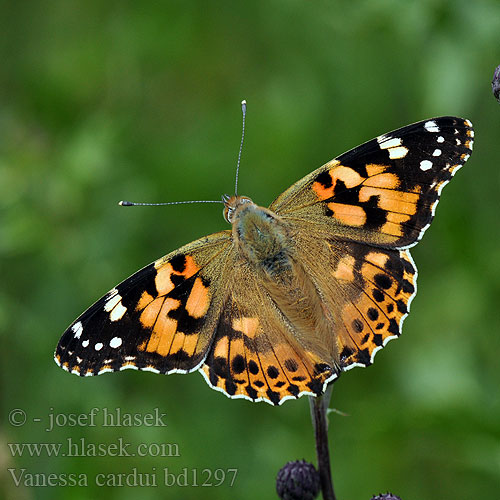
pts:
pixel 345 268
pixel 351 215
pixel 247 326
pixel 382 181
pixel 145 299
pixel 165 271
pixel 166 339
pixel 337 172
pixel 155 317
pixel 199 299
pixel 150 313
pixel 395 201
pixel 375 169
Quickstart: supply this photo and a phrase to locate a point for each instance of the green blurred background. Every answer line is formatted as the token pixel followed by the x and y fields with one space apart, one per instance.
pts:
pixel 103 101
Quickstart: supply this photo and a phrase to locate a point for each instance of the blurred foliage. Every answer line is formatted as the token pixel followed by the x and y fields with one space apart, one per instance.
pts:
pixel 102 101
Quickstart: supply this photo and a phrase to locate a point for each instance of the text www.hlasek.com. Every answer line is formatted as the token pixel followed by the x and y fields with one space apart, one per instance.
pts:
pixel 83 448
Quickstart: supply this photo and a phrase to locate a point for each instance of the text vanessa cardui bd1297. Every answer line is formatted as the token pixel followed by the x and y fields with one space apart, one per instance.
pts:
pixel 292 295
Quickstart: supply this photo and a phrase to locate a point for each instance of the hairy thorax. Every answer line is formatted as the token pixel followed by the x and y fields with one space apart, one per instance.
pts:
pixel 263 239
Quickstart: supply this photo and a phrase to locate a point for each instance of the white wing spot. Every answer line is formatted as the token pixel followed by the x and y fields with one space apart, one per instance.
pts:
pixel 77 328
pixel 114 305
pixel 112 301
pixel 437 152
pixel 458 142
pixel 431 126
pixel 98 346
pixel 115 342
pixel 118 312
pixel 393 145
pixel 425 165
pixel 386 143
pixel 397 153
pixel 440 138
pixel 85 343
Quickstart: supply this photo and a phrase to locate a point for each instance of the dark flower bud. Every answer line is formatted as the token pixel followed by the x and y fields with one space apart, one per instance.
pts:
pixel 298 481
pixel 495 84
pixel 386 496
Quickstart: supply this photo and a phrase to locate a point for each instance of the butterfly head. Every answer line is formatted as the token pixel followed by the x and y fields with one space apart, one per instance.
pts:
pixel 231 205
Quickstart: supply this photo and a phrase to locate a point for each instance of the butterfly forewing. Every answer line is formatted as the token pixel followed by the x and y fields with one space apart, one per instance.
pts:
pixel 160 319
pixel 385 191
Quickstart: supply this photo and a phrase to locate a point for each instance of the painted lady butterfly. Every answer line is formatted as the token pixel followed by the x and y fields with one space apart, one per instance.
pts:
pixel 291 295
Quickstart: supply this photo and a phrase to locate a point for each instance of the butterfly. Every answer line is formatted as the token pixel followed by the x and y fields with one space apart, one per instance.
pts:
pixel 292 295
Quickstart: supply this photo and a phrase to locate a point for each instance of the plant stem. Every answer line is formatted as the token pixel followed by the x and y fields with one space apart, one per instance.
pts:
pixel 319 407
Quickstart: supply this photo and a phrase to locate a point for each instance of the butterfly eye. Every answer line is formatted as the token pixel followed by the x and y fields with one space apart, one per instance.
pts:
pixel 228 214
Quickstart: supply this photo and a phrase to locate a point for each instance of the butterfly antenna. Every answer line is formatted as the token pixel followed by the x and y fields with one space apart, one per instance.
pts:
pixel 244 111
pixel 124 203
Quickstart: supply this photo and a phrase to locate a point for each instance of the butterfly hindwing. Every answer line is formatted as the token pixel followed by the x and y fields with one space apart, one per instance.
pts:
pixel 258 354
pixel 364 292
pixel 370 296
pixel 382 286
pixel 160 319
pixel 385 191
